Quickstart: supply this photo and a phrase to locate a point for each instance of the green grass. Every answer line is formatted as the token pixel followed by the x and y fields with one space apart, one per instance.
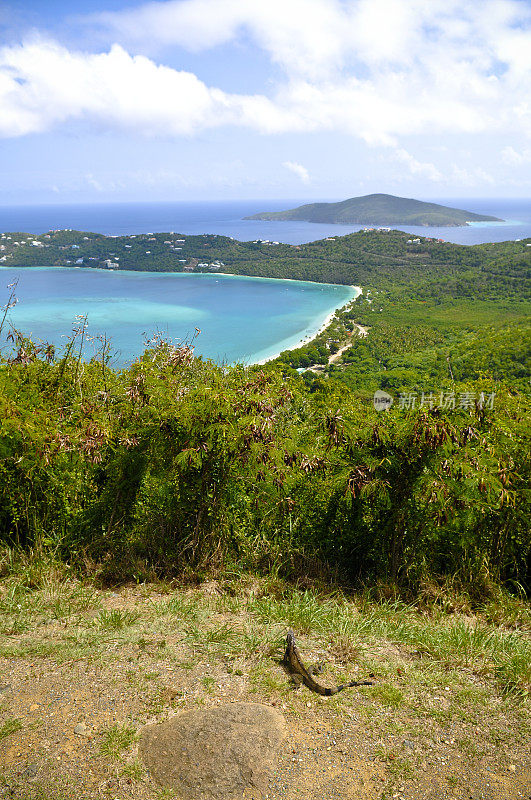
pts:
pixel 115 739
pixel 115 620
pixel 388 695
pixel 338 629
pixel 9 727
pixel 219 638
pixel 264 680
pixel 71 644
pixel 303 611
pixel 507 611
pixel 259 642
pixel 513 673
pixel 134 770
pixel 330 627
pixel 396 766
pixel 443 661
pixel 183 607
pixel 447 639
pixel 208 683
pixel 24 606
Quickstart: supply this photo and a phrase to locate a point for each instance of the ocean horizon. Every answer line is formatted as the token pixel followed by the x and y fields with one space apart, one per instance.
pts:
pixel 227 219
pixel 240 320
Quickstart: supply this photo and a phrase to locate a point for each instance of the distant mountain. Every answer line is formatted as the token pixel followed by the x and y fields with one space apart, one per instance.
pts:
pixel 379 209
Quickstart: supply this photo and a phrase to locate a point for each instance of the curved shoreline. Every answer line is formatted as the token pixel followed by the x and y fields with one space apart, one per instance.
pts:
pixel 310 337
pixel 284 328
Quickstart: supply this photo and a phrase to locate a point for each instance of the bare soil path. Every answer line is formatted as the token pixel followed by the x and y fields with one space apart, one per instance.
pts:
pixel 335 357
pixel 82 672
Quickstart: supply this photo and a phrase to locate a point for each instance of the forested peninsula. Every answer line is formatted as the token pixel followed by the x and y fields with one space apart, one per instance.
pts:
pixel 378 209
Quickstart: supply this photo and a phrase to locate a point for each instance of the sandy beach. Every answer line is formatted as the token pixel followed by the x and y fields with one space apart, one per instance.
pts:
pixel 310 337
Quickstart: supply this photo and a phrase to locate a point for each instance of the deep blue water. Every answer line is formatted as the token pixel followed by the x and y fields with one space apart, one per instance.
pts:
pixel 226 218
pixel 241 319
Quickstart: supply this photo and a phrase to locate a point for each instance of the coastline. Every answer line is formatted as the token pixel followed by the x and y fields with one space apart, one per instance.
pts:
pixel 224 218
pixel 311 336
pixel 286 328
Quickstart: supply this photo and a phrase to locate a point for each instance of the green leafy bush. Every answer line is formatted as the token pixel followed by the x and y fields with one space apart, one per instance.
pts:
pixel 178 464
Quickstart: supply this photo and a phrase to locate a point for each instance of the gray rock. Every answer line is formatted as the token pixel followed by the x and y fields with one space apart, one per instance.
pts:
pixel 81 729
pixel 30 771
pixel 214 753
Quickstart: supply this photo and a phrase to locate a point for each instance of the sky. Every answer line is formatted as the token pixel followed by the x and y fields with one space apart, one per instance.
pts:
pixel 113 100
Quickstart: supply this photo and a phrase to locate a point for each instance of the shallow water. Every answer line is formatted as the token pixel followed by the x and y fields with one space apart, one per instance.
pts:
pixel 241 319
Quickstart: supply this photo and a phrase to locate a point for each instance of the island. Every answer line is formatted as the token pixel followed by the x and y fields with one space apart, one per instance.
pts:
pixel 378 209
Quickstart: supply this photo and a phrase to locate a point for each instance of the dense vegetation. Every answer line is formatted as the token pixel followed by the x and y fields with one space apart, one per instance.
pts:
pixel 178 464
pixel 372 259
pixel 377 209
pixel 435 314
pixel 428 304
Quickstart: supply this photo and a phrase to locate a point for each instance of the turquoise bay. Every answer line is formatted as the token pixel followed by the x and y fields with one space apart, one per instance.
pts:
pixel 240 318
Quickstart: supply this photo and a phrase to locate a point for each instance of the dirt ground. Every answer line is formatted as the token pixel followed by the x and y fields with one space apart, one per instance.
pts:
pixel 76 692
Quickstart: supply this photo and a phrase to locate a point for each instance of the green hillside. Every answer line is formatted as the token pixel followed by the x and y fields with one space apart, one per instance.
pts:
pixel 178 466
pixel 378 209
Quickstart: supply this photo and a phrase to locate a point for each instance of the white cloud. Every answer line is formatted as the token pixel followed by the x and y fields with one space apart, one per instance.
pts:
pixel 298 170
pixel 513 158
pixel 300 35
pixel 375 69
pixel 312 37
pixel 425 169
pixel 94 183
pixel 475 176
pixel 43 84
pixel 455 175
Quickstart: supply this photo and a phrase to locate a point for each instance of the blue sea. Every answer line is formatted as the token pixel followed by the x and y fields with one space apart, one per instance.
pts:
pixel 226 218
pixel 240 319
